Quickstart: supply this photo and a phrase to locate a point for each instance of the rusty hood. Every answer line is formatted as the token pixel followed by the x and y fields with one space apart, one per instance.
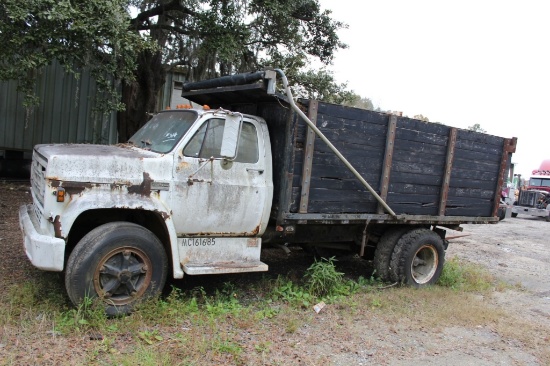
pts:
pixel 102 163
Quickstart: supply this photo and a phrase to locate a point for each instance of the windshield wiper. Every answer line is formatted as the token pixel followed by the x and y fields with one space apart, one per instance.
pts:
pixel 147 144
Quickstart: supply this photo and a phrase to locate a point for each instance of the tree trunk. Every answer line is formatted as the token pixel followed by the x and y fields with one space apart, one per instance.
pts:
pixel 140 96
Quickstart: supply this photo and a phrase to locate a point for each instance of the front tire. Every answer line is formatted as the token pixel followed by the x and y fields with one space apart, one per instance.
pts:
pixel 120 263
pixel 418 258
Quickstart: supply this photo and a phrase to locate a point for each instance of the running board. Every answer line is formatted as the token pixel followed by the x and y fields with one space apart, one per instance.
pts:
pixel 224 267
pixel 209 255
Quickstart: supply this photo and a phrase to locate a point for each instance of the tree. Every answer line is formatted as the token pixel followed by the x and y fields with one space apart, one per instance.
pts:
pixel 203 38
pixel 210 38
pixel 422 118
pixel 359 102
pixel 76 33
pixel 477 128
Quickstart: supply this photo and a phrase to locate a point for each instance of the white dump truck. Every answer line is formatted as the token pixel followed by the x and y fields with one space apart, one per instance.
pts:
pixel 202 190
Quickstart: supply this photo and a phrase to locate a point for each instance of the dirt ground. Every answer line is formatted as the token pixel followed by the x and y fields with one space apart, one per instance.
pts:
pixel 516 251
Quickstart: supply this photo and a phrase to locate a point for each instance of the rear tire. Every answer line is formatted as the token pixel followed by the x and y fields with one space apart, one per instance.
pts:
pixel 418 258
pixel 120 263
pixel 384 251
pixel 514 214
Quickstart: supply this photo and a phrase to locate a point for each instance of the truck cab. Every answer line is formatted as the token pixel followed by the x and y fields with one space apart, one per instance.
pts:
pixel 535 199
pixel 170 180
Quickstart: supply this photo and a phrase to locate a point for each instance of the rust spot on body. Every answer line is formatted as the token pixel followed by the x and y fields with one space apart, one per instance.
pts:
pixel 163 214
pixel 57 227
pixel 144 188
pixel 182 165
pixel 223 234
pixel 72 188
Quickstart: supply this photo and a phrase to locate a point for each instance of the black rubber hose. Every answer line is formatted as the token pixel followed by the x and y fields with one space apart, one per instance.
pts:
pixel 231 80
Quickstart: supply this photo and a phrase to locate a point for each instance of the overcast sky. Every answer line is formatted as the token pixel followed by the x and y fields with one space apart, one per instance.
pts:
pixel 458 63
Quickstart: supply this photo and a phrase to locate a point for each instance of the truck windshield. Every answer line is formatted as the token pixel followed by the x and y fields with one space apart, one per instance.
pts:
pixel 540 182
pixel 164 130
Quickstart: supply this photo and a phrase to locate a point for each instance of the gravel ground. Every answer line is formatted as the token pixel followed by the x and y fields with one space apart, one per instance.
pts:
pixel 515 251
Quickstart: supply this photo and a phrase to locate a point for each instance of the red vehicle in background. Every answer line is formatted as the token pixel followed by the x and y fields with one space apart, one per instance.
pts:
pixel 535 200
pixel 540 179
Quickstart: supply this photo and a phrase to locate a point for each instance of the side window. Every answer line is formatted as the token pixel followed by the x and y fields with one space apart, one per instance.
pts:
pixel 193 148
pixel 207 142
pixel 248 145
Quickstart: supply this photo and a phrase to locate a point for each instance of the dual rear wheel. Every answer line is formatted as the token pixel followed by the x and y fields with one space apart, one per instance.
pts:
pixel 412 257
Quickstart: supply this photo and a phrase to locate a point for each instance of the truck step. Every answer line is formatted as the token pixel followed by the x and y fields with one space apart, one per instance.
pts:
pixel 224 267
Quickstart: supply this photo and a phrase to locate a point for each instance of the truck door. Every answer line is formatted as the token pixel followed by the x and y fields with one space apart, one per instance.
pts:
pixel 216 197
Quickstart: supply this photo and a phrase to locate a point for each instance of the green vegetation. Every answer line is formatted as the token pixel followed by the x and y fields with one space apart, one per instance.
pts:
pixel 461 275
pixel 236 324
pixel 129 45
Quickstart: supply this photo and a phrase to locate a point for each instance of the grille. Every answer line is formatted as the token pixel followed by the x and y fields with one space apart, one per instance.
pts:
pixel 528 198
pixel 38 172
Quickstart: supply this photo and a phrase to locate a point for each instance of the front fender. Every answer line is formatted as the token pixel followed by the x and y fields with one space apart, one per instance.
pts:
pixel 108 200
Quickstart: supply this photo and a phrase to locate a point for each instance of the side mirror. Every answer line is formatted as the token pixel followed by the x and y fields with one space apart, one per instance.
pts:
pixel 231 134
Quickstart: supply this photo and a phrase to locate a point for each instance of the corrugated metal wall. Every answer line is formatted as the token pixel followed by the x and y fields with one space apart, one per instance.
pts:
pixel 170 94
pixel 66 113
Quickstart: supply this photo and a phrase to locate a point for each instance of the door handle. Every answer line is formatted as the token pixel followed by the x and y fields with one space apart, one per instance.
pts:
pixel 260 171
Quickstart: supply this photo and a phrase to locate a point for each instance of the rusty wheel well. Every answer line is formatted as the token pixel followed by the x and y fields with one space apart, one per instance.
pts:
pixel 89 220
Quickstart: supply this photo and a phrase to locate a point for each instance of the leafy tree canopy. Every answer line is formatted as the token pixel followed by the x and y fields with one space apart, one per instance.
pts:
pixel 358 101
pixel 76 33
pixel 138 41
pixel 477 128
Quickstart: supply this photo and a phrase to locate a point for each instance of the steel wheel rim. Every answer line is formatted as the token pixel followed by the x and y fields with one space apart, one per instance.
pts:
pixel 122 275
pixel 424 264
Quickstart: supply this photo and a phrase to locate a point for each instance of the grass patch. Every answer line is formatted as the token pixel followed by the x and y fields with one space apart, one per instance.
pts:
pixel 461 275
pixel 243 324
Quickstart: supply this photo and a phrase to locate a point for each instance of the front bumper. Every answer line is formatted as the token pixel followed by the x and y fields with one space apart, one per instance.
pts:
pixel 540 212
pixel 44 252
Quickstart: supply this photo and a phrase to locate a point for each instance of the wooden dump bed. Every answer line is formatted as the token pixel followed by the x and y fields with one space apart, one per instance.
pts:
pixel 426 172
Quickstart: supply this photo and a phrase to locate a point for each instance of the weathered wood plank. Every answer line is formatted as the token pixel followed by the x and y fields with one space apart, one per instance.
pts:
pixel 387 163
pixel 336 183
pixel 422 137
pixel 426 127
pixel 480 138
pixel 418 156
pixel 307 158
pixel 335 169
pixel 408 188
pixel 340 195
pixel 419 168
pixel 447 171
pixel 471 192
pixel 352 137
pixel 462 165
pixel 413 199
pixel 480 211
pixel 411 209
pixel 411 146
pixel 471 183
pixel 475 146
pixel 414 178
pixel 342 207
pixel 353 113
pixel 485 156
